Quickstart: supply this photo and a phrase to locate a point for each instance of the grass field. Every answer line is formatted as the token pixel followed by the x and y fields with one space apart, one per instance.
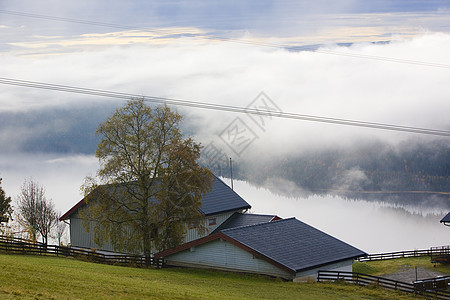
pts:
pixel 381 267
pixel 46 277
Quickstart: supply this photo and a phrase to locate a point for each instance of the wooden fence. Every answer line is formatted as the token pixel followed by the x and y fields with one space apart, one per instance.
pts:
pixel 432 252
pixel 440 254
pixel 367 280
pixel 439 283
pixel 21 246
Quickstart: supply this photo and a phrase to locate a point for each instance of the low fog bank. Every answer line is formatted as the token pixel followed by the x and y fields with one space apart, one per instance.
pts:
pixel 408 171
pixel 410 174
pixel 61 175
pixel 65 129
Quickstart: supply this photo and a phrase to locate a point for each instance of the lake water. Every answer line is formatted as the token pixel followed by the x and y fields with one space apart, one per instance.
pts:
pixel 370 226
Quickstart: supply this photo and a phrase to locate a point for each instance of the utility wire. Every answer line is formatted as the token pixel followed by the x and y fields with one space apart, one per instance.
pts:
pixel 221 107
pixel 233 40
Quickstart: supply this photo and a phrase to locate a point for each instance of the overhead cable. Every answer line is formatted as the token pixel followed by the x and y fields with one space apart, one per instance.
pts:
pixel 221 107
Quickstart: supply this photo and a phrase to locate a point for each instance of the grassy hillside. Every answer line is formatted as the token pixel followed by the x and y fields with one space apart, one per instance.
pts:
pixel 383 267
pixel 41 277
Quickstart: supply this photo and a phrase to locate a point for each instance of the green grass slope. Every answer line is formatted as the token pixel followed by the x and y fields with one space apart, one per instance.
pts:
pixel 383 267
pixel 45 277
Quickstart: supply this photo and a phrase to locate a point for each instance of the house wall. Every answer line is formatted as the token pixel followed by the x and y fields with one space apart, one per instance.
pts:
pixel 344 266
pixel 80 238
pixel 192 233
pixel 220 254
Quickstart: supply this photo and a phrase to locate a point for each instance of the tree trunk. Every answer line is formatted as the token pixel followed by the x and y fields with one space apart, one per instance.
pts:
pixel 146 235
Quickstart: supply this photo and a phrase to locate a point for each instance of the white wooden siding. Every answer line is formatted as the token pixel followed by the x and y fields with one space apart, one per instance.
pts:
pixel 345 266
pixel 220 254
pixel 192 234
pixel 80 238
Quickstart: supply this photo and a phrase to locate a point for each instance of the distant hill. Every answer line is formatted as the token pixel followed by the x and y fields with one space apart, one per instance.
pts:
pixel 417 174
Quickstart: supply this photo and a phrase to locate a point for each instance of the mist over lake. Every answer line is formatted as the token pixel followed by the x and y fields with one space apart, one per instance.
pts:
pixel 370 226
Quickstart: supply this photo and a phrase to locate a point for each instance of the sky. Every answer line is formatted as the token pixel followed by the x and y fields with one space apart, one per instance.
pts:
pixel 374 61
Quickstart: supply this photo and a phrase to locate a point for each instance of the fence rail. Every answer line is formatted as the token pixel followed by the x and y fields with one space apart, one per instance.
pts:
pixel 20 246
pixel 433 283
pixel 440 254
pixel 364 279
pixel 435 252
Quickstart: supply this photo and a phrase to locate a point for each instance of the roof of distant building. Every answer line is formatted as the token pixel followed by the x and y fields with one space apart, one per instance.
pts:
pixel 446 219
pixel 220 199
pixel 243 219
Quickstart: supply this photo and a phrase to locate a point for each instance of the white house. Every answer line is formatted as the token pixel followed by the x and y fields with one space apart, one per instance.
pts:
pixel 218 205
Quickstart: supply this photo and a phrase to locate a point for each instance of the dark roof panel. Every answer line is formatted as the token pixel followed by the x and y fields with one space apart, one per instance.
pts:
pixel 240 219
pixel 446 219
pixel 293 244
pixel 221 199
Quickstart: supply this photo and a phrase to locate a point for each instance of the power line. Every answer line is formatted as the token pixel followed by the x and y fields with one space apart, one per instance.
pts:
pixel 221 107
pixel 233 40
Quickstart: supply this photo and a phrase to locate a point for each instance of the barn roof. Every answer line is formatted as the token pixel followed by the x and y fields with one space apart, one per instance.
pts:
pixel 289 244
pixel 241 219
pixel 220 199
pixel 294 244
pixel 446 219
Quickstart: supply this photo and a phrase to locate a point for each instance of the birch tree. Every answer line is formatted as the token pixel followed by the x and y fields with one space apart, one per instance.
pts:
pixel 150 184
pixel 36 212
pixel 60 230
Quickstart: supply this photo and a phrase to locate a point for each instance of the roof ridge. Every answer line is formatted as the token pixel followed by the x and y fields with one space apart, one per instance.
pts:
pixel 258 224
pixel 252 214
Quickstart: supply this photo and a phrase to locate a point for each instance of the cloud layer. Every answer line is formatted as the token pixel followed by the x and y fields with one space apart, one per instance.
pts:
pixel 336 83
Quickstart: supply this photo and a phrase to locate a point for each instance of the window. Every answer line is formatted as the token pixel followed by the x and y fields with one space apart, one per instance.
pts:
pixel 212 221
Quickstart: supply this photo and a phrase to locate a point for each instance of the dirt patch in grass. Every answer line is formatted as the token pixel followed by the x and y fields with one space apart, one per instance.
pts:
pixel 409 274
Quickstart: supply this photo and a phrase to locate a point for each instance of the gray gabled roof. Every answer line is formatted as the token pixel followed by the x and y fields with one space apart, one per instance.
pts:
pixel 293 244
pixel 446 219
pixel 241 219
pixel 222 198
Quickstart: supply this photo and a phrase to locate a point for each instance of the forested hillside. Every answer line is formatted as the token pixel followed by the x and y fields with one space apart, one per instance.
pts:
pixel 409 173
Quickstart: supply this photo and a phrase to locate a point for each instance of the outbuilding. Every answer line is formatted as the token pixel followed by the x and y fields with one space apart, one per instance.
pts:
pixel 286 248
pixel 446 220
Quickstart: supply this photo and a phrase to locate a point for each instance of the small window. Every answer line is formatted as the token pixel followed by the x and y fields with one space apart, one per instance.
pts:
pixel 212 221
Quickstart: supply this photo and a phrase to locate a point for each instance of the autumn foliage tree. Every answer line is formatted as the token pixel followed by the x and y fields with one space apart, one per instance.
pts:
pixel 150 184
